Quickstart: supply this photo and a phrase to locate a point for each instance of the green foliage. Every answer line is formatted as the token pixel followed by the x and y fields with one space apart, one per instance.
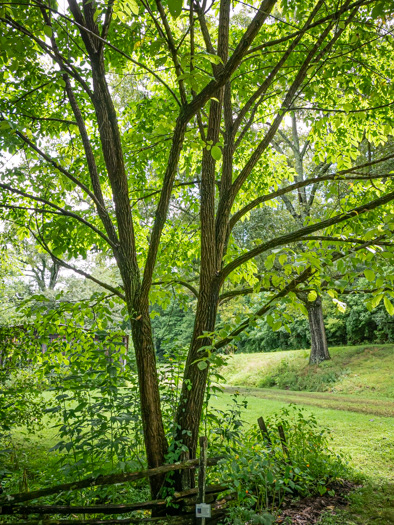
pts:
pixel 262 474
pixel 357 324
pixel 22 402
pixel 370 503
pixel 172 325
pixel 287 375
pixel 240 515
pixel 226 427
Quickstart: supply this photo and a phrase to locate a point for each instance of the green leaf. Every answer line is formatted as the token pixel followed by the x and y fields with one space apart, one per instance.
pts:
pixel 389 306
pixel 312 296
pixel 202 365
pixel 269 262
pixel 5 125
pixel 175 7
pixel 276 326
pixel 370 275
pixel 216 152
pixel 133 6
pixel 376 300
pixel 48 31
pixel 214 59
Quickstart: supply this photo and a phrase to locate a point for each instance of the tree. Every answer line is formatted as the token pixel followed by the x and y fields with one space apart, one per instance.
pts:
pixel 95 170
pixel 294 147
pixel 37 265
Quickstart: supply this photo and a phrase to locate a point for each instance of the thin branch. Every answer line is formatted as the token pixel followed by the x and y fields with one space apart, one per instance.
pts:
pixel 173 51
pixel 271 76
pixel 107 22
pixel 321 21
pixel 177 281
pixel 25 208
pixel 290 287
pixel 287 102
pixel 49 119
pixel 327 238
pixel 332 110
pixel 302 232
pixel 58 167
pixel 70 69
pixel 108 287
pixel 89 155
pixel 61 210
pixel 337 177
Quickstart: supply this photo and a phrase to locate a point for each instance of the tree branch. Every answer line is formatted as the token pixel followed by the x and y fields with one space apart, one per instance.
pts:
pixel 290 287
pixel 327 238
pixel 287 102
pixel 173 51
pixel 271 76
pixel 57 166
pixel 302 232
pixel 182 283
pixel 61 210
pixel 321 21
pixel 337 176
pixel 62 263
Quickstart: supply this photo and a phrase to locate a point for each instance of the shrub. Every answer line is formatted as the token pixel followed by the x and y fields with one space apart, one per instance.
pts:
pixel 262 474
pixel 288 376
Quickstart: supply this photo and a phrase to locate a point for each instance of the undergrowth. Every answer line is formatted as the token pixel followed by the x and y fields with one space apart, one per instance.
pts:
pixel 289 376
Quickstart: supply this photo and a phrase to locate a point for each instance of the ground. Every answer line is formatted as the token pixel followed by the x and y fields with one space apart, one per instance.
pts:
pixel 356 406
pixel 351 395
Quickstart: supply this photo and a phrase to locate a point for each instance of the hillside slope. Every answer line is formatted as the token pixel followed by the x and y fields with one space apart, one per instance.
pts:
pixel 366 370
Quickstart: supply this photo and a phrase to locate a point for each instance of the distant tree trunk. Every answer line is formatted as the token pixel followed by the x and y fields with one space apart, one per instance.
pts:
pixel 54 274
pixel 319 347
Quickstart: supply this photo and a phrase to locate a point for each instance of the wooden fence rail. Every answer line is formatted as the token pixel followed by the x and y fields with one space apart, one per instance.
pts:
pixel 110 479
pixel 15 504
pixel 106 508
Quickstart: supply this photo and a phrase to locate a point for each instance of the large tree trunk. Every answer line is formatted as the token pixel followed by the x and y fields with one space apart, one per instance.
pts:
pixel 319 347
pixel 156 445
pixel 191 401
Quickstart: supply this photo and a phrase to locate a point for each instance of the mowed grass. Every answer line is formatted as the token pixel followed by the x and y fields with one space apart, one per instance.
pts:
pixel 367 440
pixel 351 395
pixel 375 406
pixel 366 371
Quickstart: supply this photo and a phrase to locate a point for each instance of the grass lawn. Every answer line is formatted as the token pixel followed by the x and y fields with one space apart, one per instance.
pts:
pixel 367 439
pixel 361 421
pixel 366 371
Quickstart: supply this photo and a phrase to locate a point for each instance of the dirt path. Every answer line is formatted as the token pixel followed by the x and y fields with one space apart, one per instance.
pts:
pixel 378 407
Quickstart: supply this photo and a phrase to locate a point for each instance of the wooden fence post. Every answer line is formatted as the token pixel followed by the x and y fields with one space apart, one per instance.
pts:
pixel 202 471
pixel 264 430
pixel 283 442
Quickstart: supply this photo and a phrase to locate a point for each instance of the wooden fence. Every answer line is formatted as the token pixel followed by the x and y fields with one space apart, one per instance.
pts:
pixel 17 505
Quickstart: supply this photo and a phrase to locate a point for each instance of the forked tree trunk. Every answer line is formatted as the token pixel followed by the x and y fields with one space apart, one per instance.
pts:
pixel 319 347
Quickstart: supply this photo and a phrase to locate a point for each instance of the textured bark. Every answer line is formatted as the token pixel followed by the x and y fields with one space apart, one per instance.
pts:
pixel 156 445
pixel 194 380
pixel 319 347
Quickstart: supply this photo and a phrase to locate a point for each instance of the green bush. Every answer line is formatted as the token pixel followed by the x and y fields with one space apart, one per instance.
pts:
pixel 262 474
pixel 287 376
